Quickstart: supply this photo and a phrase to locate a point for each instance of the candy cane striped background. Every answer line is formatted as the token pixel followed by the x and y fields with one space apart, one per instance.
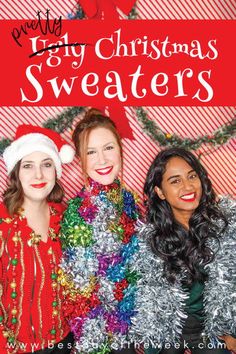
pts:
pixel 138 154
pixel 185 121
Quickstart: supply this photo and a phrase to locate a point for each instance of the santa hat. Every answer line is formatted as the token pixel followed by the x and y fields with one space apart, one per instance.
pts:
pixel 30 138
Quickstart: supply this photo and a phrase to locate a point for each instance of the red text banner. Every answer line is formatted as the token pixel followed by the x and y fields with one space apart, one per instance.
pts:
pixel 137 63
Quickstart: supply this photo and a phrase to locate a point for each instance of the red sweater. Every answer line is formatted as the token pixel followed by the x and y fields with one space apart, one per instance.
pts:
pixel 30 297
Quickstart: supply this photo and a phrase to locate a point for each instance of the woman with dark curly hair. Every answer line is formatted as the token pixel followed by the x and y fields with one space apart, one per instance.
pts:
pixel 187 296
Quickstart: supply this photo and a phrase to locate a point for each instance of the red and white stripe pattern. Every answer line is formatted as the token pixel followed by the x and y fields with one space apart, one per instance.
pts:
pixel 139 153
pixel 187 10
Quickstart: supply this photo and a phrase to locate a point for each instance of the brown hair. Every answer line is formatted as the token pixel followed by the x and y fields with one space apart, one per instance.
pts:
pixel 93 119
pixel 13 197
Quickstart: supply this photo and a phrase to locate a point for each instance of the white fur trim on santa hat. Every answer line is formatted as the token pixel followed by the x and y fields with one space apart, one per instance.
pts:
pixel 27 144
pixel 66 153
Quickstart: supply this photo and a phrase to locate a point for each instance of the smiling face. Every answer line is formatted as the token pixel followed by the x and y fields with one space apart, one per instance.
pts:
pixel 37 175
pixel 103 159
pixel 181 188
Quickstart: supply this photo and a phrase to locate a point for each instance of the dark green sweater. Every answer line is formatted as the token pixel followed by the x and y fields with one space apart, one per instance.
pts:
pixel 194 304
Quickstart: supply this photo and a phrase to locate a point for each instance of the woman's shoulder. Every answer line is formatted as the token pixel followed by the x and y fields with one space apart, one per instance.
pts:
pixel 3 211
pixel 58 207
pixel 73 203
pixel 132 202
pixel 129 191
pixel 5 218
pixel 224 247
pixel 228 206
pixel 71 213
pixel 145 230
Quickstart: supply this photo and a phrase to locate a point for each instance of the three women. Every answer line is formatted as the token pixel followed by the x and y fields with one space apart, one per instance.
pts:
pixel 187 290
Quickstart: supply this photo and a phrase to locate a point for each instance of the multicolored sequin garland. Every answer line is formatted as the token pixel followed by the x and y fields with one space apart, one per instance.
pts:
pixel 99 241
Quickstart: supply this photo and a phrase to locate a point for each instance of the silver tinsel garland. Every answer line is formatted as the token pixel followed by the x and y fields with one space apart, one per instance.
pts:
pixel 220 289
pixel 161 305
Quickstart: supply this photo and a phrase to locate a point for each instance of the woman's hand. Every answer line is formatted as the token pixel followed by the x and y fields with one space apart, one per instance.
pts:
pixel 230 342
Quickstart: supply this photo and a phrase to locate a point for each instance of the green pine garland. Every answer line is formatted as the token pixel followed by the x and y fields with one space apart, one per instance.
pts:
pixel 219 137
pixel 64 121
pixel 4 142
pixel 133 14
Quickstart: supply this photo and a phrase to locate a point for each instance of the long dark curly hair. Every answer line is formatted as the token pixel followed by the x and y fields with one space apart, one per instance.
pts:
pixel 183 251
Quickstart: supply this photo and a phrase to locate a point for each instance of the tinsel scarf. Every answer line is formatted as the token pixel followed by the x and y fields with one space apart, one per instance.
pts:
pixel 161 305
pixel 99 242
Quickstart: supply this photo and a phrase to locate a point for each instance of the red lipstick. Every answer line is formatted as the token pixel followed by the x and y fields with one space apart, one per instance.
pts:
pixel 190 197
pixel 39 185
pixel 104 171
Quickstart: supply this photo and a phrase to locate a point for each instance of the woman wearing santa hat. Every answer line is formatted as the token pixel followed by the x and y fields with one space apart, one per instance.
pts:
pixel 31 317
